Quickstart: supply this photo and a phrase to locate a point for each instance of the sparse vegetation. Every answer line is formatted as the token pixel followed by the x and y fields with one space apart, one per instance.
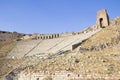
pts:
pixel 103 26
pixel 37 79
pixel 106 38
pixel 105 61
pixel 5 47
pixel 47 78
pixel 110 69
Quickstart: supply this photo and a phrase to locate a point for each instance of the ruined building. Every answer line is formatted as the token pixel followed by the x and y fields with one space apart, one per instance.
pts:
pixel 102 21
pixel 102 18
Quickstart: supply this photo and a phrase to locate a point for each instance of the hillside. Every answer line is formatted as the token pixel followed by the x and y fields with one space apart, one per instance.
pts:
pixel 5 47
pixel 97 57
pixel 102 60
pixel 107 37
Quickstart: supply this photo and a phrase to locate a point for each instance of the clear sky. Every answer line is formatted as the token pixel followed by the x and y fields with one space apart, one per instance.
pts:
pixel 53 16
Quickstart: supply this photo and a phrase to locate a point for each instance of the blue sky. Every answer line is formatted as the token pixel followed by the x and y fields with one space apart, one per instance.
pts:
pixel 52 16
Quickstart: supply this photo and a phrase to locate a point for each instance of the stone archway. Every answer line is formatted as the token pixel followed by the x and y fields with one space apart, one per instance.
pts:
pixel 102 18
pixel 46 37
pixel 101 22
pixel 52 37
pixel 57 35
pixel 38 37
pixel 41 37
pixel 49 37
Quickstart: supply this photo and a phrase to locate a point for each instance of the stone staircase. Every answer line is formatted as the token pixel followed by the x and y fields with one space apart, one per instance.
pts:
pixel 34 47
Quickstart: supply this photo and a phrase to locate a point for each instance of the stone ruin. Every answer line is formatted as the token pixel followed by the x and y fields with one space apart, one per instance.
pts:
pixel 101 21
pixel 102 18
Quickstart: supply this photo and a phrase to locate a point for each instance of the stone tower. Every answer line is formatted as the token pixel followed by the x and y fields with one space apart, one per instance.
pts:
pixel 102 18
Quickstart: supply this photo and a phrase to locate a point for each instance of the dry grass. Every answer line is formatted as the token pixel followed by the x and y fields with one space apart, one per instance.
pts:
pixel 5 47
pixel 106 61
pixel 6 65
pixel 106 35
pixel 101 62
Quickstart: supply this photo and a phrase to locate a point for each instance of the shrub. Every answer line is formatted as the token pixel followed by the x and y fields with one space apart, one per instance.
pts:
pixel 37 79
pixel 103 27
pixel 47 78
pixel 110 70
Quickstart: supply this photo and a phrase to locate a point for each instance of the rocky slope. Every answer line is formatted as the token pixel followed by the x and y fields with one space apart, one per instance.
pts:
pixel 99 54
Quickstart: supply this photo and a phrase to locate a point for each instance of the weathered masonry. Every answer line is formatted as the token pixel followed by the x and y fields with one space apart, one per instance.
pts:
pixel 52 36
pixel 101 21
pixel 102 18
pixel 46 36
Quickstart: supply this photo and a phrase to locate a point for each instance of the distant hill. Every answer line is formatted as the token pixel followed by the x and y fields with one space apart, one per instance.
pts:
pixel 7 36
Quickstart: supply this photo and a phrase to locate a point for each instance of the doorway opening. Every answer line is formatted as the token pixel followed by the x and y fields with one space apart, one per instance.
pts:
pixel 101 22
